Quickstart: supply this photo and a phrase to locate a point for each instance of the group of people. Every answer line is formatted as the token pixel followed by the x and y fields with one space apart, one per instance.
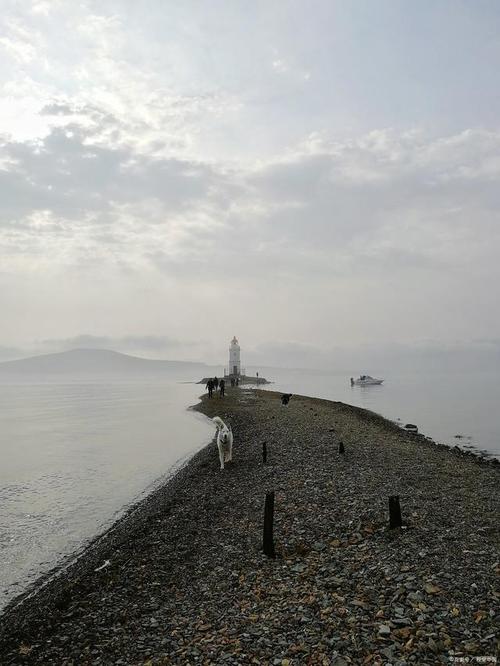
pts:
pixel 220 384
pixel 214 384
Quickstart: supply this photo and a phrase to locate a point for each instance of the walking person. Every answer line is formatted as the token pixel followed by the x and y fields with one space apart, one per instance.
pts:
pixel 222 388
pixel 216 383
pixel 210 387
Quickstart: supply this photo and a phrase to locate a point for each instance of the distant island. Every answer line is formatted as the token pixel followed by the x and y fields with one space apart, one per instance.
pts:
pixel 87 364
pixel 101 362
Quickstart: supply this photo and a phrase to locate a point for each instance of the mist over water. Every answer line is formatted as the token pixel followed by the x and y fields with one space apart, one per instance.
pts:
pixel 75 455
pixel 442 405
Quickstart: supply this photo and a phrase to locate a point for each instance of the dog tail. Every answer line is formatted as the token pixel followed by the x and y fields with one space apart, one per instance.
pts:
pixel 220 423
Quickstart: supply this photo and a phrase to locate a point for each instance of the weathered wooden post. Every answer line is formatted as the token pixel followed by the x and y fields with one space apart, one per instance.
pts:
pixel 264 452
pixel 395 519
pixel 341 447
pixel 268 540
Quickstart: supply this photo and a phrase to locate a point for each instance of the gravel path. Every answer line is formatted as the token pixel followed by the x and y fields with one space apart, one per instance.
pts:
pixel 187 583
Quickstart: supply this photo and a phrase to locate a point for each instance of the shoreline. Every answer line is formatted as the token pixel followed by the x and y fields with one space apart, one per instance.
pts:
pixel 91 554
pixel 483 455
pixel 72 560
pixel 477 432
pixel 187 508
pixel 474 452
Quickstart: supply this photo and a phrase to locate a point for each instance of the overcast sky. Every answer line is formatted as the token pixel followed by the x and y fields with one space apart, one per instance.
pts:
pixel 305 175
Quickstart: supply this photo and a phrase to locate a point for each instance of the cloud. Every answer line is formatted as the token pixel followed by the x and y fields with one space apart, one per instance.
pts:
pixel 58 109
pixel 280 66
pixel 69 188
pixel 427 356
pixel 383 201
pixel 150 182
pixel 21 42
pixel 149 344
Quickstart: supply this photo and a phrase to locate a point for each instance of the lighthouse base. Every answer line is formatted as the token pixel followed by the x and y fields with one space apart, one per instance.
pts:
pixel 242 379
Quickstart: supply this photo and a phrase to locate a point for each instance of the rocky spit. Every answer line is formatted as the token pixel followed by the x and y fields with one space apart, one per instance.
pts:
pixel 182 579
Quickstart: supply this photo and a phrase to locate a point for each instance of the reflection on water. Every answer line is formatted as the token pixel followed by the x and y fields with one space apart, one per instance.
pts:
pixel 442 406
pixel 73 456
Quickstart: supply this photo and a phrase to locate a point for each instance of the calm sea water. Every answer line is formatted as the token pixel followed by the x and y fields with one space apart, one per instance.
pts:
pixel 442 406
pixel 75 456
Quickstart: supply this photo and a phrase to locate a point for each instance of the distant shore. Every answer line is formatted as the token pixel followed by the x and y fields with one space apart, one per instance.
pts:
pixel 187 582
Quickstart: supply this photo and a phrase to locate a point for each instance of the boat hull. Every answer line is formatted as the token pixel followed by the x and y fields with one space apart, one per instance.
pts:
pixel 372 382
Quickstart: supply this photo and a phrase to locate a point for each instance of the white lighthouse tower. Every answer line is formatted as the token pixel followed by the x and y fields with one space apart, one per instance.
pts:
pixel 234 358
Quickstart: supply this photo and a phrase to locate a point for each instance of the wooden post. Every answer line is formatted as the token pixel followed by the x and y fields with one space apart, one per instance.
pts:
pixel 394 512
pixel 268 540
pixel 264 452
pixel 341 447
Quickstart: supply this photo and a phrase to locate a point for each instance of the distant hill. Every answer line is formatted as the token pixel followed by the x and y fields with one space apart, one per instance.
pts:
pixel 101 362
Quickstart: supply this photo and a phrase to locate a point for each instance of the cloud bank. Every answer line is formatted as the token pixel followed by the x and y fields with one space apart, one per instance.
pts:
pixel 144 207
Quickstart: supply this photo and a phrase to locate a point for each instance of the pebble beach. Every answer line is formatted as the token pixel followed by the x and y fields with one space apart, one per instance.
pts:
pixel 182 579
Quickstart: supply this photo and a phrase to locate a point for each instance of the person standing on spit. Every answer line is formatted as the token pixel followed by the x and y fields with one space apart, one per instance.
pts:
pixel 210 387
pixel 222 388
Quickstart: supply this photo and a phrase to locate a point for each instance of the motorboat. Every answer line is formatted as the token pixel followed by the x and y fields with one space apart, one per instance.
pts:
pixel 366 380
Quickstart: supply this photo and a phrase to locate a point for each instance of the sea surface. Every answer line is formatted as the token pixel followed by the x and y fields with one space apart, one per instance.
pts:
pixel 456 409
pixel 74 456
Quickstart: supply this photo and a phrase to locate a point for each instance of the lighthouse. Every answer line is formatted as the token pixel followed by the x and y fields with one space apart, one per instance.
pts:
pixel 234 358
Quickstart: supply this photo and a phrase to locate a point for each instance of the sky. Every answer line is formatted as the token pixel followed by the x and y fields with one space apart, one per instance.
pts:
pixel 314 177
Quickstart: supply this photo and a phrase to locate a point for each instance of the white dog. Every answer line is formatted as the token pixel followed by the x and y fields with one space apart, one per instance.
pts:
pixel 224 441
